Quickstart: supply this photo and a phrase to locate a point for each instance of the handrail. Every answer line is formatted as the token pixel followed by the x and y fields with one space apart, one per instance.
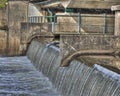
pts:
pixel 79 25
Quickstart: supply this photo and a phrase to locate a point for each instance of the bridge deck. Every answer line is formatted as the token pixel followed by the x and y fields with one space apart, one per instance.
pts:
pixel 18 77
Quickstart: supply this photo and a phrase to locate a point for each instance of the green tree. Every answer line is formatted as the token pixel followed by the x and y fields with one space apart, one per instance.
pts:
pixel 2 3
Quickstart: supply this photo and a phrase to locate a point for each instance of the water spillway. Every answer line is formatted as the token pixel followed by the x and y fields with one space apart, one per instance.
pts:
pixel 77 79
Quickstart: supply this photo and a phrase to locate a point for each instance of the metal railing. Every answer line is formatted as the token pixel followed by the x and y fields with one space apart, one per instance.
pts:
pixel 79 23
pixel 37 19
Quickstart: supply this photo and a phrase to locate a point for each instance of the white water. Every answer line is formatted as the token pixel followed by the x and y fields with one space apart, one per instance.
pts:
pixel 18 77
pixel 107 73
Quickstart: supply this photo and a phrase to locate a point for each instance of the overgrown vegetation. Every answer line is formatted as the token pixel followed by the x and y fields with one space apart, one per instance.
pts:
pixel 2 3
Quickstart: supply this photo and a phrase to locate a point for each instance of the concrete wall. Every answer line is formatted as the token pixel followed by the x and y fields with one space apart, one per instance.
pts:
pixel 3 23
pixel 13 45
pixel 10 24
pixel 97 4
pixel 17 13
pixel 117 25
pixel 3 18
pixel 3 39
pixel 72 43
pixel 34 30
pixel 117 19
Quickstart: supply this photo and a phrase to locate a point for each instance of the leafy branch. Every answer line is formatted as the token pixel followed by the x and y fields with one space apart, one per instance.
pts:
pixel 2 3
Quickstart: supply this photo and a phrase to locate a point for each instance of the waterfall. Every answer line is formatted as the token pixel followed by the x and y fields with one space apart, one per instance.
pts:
pixel 75 80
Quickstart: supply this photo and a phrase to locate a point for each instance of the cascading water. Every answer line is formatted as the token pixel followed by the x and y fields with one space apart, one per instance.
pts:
pixel 76 79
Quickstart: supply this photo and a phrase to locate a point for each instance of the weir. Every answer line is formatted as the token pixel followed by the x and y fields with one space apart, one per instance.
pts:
pixel 77 79
pixel 73 46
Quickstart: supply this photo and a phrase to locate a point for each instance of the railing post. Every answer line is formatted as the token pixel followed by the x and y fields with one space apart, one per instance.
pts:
pixel 38 19
pixel 41 19
pixel 44 19
pixel 79 23
pixel 105 24
pixel 33 20
pixel 53 24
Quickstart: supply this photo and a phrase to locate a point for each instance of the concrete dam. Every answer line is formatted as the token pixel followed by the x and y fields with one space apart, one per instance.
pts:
pixel 45 77
pixel 60 48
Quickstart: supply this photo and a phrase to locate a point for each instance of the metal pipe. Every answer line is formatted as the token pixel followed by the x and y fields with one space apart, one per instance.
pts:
pixel 105 24
pixel 51 14
pixel 52 21
pixel 79 23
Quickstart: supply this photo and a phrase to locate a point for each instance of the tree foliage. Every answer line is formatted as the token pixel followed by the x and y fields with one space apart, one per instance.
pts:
pixel 2 3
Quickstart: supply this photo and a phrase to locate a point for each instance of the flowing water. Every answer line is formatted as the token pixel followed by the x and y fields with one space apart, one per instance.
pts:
pixel 18 77
pixel 75 80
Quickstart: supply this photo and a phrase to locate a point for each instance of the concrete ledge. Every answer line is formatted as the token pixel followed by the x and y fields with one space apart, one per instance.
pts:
pixel 115 8
pixel 97 4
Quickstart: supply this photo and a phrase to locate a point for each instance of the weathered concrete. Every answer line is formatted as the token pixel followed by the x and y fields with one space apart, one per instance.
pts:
pixel 17 12
pixel 34 29
pixel 3 19
pixel 18 77
pixel 75 43
pixel 13 42
pixel 10 24
pixel 117 19
pixel 97 4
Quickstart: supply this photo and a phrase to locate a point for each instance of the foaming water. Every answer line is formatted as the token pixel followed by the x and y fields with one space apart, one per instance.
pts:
pixel 76 79
pixel 18 77
pixel 107 73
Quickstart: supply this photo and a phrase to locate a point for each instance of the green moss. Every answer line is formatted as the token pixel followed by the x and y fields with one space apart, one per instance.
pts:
pixel 2 3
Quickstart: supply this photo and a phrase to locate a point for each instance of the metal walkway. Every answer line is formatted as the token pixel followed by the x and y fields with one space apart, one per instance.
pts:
pixel 18 77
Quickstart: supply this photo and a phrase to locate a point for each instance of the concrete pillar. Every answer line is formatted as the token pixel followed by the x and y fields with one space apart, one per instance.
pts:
pixel 116 8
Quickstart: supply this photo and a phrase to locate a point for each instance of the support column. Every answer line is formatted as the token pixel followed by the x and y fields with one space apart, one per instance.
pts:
pixel 117 19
